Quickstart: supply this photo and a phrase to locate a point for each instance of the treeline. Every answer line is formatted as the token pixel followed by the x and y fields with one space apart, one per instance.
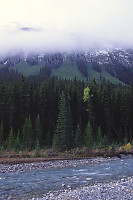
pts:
pixel 124 74
pixel 53 113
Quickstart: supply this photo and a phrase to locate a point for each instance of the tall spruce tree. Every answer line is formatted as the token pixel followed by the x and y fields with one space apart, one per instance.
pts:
pixel 62 139
pixel 99 135
pixel 38 133
pixel 27 133
pixel 17 143
pixel 70 133
pixel 11 139
pixel 15 117
pixel 24 99
pixel 89 139
pixel 78 137
pixel 59 139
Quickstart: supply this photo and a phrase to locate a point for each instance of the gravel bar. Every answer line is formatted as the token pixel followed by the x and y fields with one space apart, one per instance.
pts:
pixel 6 168
pixel 118 190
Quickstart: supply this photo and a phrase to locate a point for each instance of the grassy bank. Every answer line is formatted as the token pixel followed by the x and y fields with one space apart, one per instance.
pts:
pixel 25 156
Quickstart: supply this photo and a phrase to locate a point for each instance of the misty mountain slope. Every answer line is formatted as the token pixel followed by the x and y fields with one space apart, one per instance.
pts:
pixel 115 65
pixel 102 75
pixel 26 69
pixel 92 74
pixel 107 76
pixel 68 70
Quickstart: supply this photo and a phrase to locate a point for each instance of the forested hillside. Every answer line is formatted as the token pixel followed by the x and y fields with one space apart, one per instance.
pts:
pixel 53 113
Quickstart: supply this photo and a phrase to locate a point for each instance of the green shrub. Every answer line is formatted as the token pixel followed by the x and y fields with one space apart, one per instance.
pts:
pixel 1 150
pixel 37 149
pixel 112 147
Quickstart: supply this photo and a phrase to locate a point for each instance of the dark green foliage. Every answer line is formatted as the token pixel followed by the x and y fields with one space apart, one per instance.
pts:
pixel 37 149
pixel 105 142
pixel 11 139
pixel 125 140
pixel 17 143
pixel 27 134
pixel 69 129
pixel 45 72
pixel 56 142
pixel 123 73
pixel 37 130
pixel 82 65
pixel 89 138
pixel 8 75
pixel 99 135
pixel 1 133
pixel 15 107
pixel 33 109
pixel 96 67
pixel 112 147
pixel 78 137
pixel 61 132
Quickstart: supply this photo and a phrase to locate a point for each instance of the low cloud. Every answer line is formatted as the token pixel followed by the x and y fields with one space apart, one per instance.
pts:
pixel 60 25
pixel 30 29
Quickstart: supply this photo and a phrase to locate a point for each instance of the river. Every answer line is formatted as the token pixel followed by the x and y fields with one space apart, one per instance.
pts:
pixel 29 184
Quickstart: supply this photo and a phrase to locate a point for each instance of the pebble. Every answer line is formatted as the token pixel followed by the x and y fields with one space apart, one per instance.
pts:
pixel 117 190
pixel 5 168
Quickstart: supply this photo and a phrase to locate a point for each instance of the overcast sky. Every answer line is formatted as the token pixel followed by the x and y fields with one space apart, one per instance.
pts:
pixel 65 24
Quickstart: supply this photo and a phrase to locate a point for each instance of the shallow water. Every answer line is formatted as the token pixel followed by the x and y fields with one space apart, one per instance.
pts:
pixel 31 184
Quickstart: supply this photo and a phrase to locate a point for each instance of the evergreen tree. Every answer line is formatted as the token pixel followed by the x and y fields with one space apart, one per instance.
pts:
pixel 27 133
pixel 32 103
pixel 105 141
pixel 60 139
pixel 99 135
pixel 38 134
pixel 124 112
pixel 1 134
pixel 43 110
pixel 17 143
pixel 24 99
pixel 89 139
pixel 37 149
pixel 4 109
pixel 15 117
pixel 78 137
pixel 109 107
pixel 11 139
pixel 99 138
pixel 69 129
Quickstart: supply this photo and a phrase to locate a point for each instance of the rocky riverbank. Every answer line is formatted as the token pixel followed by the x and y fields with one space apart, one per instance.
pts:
pixel 118 190
pixel 22 167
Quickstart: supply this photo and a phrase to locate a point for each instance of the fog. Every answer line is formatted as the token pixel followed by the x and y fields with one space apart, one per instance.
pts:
pixel 64 25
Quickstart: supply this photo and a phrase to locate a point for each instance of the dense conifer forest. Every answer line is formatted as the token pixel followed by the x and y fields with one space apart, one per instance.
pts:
pixel 52 112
